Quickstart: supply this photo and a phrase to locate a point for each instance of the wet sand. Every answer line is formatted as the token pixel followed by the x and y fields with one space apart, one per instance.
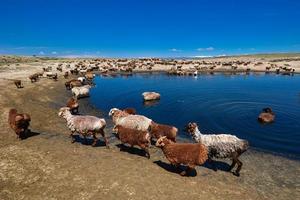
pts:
pixel 48 166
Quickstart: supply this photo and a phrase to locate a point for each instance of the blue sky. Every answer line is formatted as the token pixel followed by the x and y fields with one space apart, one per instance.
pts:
pixel 144 28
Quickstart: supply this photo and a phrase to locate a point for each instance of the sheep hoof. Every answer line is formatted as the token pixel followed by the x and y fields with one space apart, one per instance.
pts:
pixel 236 174
pixel 183 173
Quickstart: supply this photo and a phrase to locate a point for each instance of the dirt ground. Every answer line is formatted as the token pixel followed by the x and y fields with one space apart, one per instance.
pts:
pixel 48 166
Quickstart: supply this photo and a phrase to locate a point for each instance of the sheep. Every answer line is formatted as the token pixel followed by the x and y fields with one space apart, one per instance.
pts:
pixel 133 137
pixel 137 122
pixel 84 125
pixel 59 68
pixel 73 105
pixel 130 111
pixel 89 76
pixel 66 75
pixel 183 153
pixel 19 123
pixel 266 116
pixel 34 77
pixel 158 130
pixel 221 146
pixel 79 92
pixel 18 83
pixel 72 83
pixel 81 79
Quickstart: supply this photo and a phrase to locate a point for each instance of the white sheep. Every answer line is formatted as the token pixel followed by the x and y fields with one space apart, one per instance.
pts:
pixel 138 122
pixel 82 91
pixel 81 79
pixel 84 125
pixel 221 146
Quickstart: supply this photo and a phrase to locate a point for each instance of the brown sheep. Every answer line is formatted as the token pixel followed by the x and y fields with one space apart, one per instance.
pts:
pixel 73 105
pixel 19 122
pixel 159 130
pixel 266 116
pixel 72 83
pixel 189 154
pixel 18 83
pixel 133 137
pixel 66 75
pixel 130 111
pixel 34 77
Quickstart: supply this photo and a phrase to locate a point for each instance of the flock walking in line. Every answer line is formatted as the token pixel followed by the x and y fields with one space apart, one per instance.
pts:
pixel 138 130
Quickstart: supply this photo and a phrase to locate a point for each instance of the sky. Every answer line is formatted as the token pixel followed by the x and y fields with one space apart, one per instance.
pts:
pixel 148 28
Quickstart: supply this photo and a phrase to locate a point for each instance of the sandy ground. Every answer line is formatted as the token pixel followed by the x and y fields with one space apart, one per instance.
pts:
pixel 48 166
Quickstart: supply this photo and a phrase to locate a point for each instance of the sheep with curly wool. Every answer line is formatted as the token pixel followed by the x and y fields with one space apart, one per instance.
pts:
pixel 138 122
pixel 19 122
pixel 221 146
pixel 83 91
pixel 183 153
pixel 159 130
pixel 84 125
pixel 133 137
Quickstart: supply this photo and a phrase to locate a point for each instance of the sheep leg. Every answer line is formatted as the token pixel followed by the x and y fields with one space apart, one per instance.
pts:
pixel 213 164
pixel 240 164
pixel 72 137
pixel 105 139
pixel 95 140
pixel 232 165
pixel 146 150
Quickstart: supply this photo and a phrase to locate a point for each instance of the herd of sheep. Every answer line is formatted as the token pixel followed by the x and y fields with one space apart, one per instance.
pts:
pixel 138 130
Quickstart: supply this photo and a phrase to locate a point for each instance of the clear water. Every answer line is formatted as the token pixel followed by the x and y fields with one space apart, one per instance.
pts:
pixel 218 103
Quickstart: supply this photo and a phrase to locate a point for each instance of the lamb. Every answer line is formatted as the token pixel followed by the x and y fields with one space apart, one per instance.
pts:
pixel 19 123
pixel 158 130
pixel 133 137
pixel 183 153
pixel 221 146
pixel 80 92
pixel 84 125
pixel 267 116
pixel 137 122
pixel 73 105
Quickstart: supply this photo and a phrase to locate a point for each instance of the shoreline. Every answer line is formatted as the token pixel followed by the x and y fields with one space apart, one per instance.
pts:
pixel 49 166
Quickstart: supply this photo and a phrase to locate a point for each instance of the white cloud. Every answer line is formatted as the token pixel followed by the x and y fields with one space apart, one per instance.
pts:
pixel 41 53
pixel 202 56
pixel 79 56
pixel 206 49
pixel 54 52
pixel 175 50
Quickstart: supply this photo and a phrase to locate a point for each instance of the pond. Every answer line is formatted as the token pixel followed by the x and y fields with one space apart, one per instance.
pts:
pixel 219 103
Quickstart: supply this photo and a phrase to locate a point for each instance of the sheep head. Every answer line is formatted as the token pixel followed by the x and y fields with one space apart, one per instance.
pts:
pixel 268 110
pixel 162 141
pixel 113 111
pixel 191 128
pixel 63 110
